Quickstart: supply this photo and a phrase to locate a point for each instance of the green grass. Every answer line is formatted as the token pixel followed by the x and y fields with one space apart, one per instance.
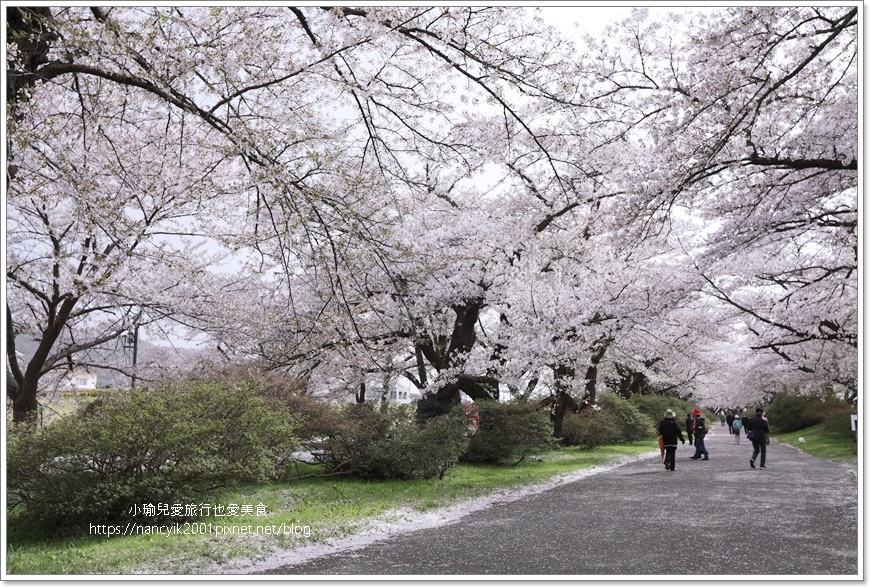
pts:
pixel 822 443
pixel 329 506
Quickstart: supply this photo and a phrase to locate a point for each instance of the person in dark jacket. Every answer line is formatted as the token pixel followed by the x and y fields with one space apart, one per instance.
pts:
pixel 729 421
pixel 700 429
pixel 690 422
pixel 759 426
pixel 670 432
pixel 744 421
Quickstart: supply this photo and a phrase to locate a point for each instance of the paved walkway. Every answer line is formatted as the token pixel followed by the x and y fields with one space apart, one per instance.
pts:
pixel 716 517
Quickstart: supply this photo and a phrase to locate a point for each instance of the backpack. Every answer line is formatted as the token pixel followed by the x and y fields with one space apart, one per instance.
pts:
pixel 700 426
pixel 735 425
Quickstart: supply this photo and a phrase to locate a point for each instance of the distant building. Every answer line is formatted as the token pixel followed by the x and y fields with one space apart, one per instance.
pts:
pixel 79 380
pixel 403 396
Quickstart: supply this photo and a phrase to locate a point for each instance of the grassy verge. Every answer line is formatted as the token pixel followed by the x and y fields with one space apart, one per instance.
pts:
pixel 822 443
pixel 328 506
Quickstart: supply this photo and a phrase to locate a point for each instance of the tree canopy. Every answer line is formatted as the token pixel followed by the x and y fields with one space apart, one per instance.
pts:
pixel 457 196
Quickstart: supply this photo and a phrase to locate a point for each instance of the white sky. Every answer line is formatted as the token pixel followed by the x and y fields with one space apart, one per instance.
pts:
pixel 588 19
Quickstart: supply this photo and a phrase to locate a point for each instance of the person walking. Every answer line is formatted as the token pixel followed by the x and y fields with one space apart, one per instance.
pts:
pixel 670 432
pixel 744 421
pixel 690 422
pixel 758 434
pixel 699 427
pixel 729 421
pixel 736 426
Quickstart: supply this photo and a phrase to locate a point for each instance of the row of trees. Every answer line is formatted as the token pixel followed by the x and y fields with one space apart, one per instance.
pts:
pixel 453 195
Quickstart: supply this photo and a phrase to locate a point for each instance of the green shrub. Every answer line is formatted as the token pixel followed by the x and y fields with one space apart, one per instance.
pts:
pixel 432 449
pixel 835 415
pixel 789 412
pixel 141 446
pixel 615 420
pixel 510 432
pixel 633 424
pixel 382 441
pixel 590 428
pixel 315 419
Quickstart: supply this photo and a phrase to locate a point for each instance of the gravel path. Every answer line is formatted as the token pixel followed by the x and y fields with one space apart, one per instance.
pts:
pixel 716 517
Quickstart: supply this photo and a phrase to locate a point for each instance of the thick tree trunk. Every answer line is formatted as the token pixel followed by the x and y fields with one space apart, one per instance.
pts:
pixel 526 394
pixel 477 388
pixel 25 407
pixel 632 382
pixel 442 354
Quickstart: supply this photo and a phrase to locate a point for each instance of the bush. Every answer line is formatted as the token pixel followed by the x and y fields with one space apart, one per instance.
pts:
pixel 633 424
pixel 510 432
pixel 381 441
pixel 616 420
pixel 129 448
pixel 590 428
pixel 792 412
pixel 315 419
pixel 789 412
pixel 836 417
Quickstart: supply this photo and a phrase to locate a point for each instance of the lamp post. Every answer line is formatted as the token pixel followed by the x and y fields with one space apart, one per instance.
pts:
pixel 130 340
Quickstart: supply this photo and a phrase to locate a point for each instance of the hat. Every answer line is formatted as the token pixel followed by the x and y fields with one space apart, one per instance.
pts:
pixel 670 414
pixel 696 412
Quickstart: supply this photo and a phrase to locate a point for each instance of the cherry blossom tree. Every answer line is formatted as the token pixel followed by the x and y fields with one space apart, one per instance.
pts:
pixel 453 195
pixel 101 226
pixel 292 129
pixel 749 117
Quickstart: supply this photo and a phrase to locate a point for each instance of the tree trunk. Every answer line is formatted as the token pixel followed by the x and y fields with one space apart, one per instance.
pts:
pixel 421 366
pixel 443 356
pixel 598 352
pixel 563 402
pixel 25 407
pixel 631 382
pixel 526 394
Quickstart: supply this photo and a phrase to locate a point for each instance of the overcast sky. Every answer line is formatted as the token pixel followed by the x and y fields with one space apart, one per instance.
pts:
pixel 590 19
